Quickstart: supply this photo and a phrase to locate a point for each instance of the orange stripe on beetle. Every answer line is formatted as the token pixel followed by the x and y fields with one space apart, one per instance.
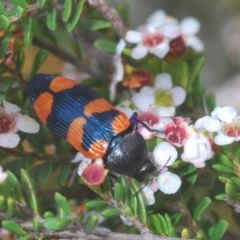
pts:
pixel 120 123
pixel 43 106
pixel 75 137
pixel 59 84
pixel 98 105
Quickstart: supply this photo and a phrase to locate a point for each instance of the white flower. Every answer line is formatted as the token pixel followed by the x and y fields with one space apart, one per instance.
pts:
pixel 3 175
pixel 118 69
pixel 189 27
pixel 11 120
pixel 163 97
pixel 168 182
pixel 208 123
pixel 225 122
pixel 151 40
pixel 224 114
pixel 163 82
pixel 164 154
pixel 148 195
pixel 197 149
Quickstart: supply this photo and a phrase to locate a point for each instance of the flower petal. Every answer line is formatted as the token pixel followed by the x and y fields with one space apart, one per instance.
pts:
pixel 161 50
pixel 133 36
pixel 143 101
pixel 222 139
pixel 10 108
pixel 190 26
pixel 148 195
pixel 169 183
pixel 27 124
pixel 225 114
pixel 140 51
pixel 158 16
pixel 3 175
pixel 164 154
pixel 208 123
pixel 179 95
pixel 9 140
pixel 171 30
pixel 163 81
pixel 120 46
pixel 166 111
pixel 195 43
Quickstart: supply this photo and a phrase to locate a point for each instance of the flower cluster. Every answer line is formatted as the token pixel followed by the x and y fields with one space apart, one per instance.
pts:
pixel 11 120
pixel 162 35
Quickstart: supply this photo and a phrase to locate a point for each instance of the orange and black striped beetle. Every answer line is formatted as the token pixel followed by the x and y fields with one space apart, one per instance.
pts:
pixel 92 125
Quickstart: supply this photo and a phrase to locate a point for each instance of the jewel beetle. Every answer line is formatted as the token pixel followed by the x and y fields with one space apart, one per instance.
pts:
pixel 91 124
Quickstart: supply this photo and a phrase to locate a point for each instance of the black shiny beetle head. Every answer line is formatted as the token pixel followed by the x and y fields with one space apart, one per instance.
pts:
pixel 128 155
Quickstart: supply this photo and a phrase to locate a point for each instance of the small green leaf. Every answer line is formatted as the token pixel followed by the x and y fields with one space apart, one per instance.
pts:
pixel 36 224
pixel 14 183
pixel 20 60
pixel 223 169
pixel 181 75
pixel 96 203
pixel 76 49
pixel 231 190
pixel 30 190
pixel 63 203
pixel 2 9
pixel 105 45
pixel 142 214
pixel 66 11
pixel 107 185
pixel 52 18
pixel 166 67
pixel 163 223
pixel 111 212
pixel 195 69
pixel 4 22
pixel 124 184
pixel 118 192
pixel 91 222
pixel 4 43
pixel 41 2
pixel 155 224
pixel 221 196
pixel 219 230
pixel 55 224
pixel 133 202
pixel 171 230
pixel 90 25
pixel 13 227
pixel 28 32
pixel 201 207
pixel 226 161
pixel 222 179
pixel 11 207
pixel 76 13
pixel 124 11
pixel 16 11
pixel 236 181
pixel 210 101
pixel 2 201
pixel 38 61
pixel 66 168
pixel 48 215
pixel 21 3
pixel 5 190
pixel 45 171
